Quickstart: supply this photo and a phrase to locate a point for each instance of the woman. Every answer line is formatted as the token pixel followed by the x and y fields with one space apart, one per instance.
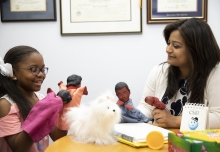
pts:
pixel 191 73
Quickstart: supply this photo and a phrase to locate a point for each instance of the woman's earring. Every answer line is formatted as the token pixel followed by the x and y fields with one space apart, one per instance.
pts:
pixel 14 78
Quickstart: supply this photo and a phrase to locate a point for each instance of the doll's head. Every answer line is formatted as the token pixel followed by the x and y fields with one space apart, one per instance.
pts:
pixel 122 91
pixel 74 80
pixel 153 101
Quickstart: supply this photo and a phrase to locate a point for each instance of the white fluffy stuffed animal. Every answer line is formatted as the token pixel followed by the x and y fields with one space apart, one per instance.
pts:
pixel 95 123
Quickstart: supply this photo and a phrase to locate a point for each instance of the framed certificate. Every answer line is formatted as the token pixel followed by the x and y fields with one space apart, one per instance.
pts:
pixel 167 11
pixel 100 16
pixel 28 10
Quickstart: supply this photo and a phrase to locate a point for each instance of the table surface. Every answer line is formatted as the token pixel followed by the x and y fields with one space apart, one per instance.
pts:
pixel 66 144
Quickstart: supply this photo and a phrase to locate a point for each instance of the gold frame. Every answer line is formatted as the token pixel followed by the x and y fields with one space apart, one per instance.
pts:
pixel 202 5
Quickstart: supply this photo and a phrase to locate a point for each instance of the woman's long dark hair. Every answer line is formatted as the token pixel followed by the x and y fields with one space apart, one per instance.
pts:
pixel 203 52
pixel 8 86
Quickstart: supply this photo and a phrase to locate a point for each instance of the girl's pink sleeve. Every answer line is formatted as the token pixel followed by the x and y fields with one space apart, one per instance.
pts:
pixel 11 124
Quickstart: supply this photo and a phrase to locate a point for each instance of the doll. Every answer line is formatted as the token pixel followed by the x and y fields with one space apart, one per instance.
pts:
pixel 75 88
pixel 153 101
pixel 76 91
pixel 130 114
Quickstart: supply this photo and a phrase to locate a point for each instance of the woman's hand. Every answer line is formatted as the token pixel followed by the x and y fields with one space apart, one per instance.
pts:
pixel 164 117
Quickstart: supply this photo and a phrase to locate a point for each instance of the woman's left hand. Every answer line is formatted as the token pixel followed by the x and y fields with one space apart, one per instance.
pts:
pixel 162 116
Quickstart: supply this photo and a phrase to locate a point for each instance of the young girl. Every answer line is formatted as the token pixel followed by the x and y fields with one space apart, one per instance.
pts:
pixel 21 75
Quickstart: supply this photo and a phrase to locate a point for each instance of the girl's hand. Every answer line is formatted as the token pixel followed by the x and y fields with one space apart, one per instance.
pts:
pixel 164 117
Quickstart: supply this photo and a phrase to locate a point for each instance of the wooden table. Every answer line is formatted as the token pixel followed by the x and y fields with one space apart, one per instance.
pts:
pixel 66 144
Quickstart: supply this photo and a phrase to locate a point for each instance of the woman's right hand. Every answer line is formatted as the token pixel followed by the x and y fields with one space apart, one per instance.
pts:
pixel 164 117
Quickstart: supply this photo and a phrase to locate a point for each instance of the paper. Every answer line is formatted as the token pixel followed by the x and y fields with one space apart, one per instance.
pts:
pixel 138 131
pixel 177 6
pixel 27 5
pixel 100 10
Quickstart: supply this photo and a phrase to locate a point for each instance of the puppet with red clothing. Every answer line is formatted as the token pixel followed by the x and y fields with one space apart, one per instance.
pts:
pixel 76 91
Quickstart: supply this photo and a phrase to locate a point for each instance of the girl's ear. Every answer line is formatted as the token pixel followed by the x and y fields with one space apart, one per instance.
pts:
pixel 14 78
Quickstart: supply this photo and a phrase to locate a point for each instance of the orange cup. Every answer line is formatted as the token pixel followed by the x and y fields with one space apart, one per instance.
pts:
pixel 155 140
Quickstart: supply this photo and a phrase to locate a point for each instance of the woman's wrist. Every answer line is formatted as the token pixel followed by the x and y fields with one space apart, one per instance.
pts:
pixel 175 121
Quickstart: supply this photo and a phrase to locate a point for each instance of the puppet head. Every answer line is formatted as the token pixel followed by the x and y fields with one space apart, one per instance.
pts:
pixel 153 101
pixel 122 91
pixel 74 80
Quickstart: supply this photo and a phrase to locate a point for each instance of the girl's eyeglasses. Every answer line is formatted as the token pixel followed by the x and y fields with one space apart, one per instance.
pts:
pixel 36 71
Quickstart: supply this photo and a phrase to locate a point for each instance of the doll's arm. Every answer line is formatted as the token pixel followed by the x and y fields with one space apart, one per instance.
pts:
pixel 153 101
pixel 128 106
pixel 85 92
pixel 62 86
pixel 119 103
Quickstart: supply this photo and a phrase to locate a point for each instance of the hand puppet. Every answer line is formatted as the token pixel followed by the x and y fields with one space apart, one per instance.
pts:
pixel 153 101
pixel 76 91
pixel 94 123
pixel 42 117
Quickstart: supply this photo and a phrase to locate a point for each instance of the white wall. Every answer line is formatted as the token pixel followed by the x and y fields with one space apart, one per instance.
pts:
pixel 101 60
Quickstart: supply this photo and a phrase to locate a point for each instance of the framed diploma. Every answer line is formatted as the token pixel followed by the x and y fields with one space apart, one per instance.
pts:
pixel 28 10
pixel 100 16
pixel 167 11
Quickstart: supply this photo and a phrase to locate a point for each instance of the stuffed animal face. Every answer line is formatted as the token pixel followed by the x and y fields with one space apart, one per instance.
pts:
pixel 106 110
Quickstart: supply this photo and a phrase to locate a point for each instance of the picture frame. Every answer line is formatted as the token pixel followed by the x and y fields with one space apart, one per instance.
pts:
pixel 22 10
pixel 100 16
pixel 164 11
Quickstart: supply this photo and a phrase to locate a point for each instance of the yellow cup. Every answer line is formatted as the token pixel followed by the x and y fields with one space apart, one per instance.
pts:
pixel 155 140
